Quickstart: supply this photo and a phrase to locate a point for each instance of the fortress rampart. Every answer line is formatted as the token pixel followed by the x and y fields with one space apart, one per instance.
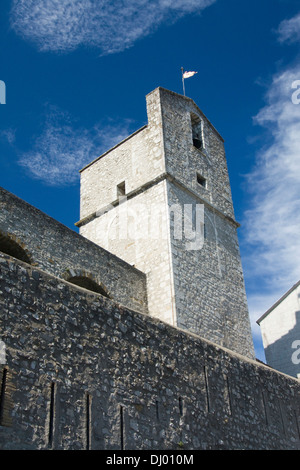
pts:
pixel 61 252
pixel 97 354
pixel 83 372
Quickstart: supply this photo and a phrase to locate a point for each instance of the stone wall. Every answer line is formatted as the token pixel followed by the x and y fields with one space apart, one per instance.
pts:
pixel 54 248
pixel 82 372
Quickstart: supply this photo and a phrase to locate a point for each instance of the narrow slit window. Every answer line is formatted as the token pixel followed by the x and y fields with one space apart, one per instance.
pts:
pixel 180 403
pixel 201 180
pixel 207 390
pixel 2 396
pixel 6 403
pixel 88 421
pixel 297 423
pixel 265 408
pixel 157 410
pixel 122 427
pixel 197 132
pixel 121 189
pixel 229 396
pixel 51 415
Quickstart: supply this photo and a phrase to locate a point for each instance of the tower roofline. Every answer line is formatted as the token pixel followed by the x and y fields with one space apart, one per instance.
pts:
pixel 165 90
pixel 190 100
pixel 112 148
pixel 284 296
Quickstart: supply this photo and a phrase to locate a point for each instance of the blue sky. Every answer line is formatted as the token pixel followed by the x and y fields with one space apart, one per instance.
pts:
pixel 76 75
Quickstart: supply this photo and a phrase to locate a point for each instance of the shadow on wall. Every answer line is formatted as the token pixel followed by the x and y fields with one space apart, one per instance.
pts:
pixel 284 354
pixel 11 247
pixel 88 284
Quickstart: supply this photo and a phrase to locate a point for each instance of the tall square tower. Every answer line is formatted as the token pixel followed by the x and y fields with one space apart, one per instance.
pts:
pixel 161 200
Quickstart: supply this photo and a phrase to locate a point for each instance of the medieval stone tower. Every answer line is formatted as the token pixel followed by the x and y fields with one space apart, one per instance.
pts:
pixel 161 201
pixel 134 334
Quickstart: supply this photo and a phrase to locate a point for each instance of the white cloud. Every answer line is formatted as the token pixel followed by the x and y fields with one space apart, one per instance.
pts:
pixel 64 25
pixel 271 226
pixel 8 135
pixel 63 149
pixel 289 30
pixel 272 223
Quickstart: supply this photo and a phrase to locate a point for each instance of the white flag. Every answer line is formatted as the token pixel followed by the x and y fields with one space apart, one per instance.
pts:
pixel 188 74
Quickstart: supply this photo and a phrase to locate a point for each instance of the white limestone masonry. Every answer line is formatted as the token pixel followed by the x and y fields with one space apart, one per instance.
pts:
pixel 176 161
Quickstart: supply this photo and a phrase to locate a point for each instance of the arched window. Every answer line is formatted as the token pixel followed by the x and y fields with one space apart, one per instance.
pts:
pixel 12 248
pixel 89 284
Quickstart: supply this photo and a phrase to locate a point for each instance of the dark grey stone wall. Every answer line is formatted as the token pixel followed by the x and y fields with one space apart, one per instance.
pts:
pixel 82 371
pixel 64 253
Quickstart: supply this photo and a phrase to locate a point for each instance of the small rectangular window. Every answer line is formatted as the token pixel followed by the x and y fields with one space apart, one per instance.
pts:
pixel 201 180
pixel 121 189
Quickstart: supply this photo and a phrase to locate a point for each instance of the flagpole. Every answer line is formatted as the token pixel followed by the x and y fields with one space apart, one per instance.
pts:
pixel 186 75
pixel 183 81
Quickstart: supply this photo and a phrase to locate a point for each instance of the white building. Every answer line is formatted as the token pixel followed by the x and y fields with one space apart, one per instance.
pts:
pixel 280 328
